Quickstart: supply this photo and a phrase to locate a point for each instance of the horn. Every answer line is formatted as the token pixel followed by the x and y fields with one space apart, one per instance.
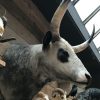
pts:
pixel 4 19
pixel 2 15
pixel 57 17
pixel 84 45
pixel 3 23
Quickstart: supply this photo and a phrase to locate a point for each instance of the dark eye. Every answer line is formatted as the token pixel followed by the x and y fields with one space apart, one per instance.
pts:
pixel 62 55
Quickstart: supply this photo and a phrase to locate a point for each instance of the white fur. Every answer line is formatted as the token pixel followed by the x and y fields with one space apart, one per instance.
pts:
pixel 73 69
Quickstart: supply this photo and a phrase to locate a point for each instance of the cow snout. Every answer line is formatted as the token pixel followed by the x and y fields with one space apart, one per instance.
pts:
pixel 89 79
pixel 84 78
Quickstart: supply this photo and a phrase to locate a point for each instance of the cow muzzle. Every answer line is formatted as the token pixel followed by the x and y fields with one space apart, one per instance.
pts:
pixel 85 79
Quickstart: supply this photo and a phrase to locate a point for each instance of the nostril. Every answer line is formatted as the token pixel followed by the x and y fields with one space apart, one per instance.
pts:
pixel 89 78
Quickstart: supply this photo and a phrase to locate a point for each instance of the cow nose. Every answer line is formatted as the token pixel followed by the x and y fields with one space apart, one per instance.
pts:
pixel 89 79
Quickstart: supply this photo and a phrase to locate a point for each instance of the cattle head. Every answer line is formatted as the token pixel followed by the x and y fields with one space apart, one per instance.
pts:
pixel 61 54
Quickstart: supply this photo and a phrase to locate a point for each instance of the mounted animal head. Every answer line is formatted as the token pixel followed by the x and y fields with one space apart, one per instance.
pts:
pixel 61 54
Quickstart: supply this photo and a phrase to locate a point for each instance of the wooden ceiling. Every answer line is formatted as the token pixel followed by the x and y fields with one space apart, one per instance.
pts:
pixel 28 15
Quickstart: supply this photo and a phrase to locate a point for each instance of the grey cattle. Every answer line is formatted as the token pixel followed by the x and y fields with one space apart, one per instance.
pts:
pixel 89 94
pixel 30 67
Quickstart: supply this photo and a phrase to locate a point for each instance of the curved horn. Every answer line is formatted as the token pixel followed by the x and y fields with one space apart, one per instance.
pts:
pixel 3 20
pixel 3 23
pixel 84 45
pixel 57 17
pixel 1 27
pixel 2 16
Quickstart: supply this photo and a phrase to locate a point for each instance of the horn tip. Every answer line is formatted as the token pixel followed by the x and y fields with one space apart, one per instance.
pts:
pixel 93 33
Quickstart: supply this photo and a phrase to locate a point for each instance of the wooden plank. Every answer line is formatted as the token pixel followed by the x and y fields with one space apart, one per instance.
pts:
pixel 11 33
pixel 30 9
pixel 20 30
pixel 28 14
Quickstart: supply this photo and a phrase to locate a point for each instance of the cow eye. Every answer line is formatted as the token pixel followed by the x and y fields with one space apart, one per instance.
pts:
pixel 62 55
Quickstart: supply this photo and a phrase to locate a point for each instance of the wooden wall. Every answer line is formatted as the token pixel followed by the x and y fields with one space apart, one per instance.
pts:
pixel 25 21
pixel 16 29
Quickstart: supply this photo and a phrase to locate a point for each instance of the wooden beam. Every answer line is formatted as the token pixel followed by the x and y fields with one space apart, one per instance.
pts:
pixel 11 33
pixel 30 9
pixel 20 30
pixel 17 28
pixel 28 14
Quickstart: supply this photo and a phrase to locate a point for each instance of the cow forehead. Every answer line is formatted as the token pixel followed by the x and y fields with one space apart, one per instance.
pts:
pixel 62 43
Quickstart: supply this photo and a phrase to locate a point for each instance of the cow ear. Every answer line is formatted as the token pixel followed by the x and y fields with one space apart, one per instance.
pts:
pixel 46 40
